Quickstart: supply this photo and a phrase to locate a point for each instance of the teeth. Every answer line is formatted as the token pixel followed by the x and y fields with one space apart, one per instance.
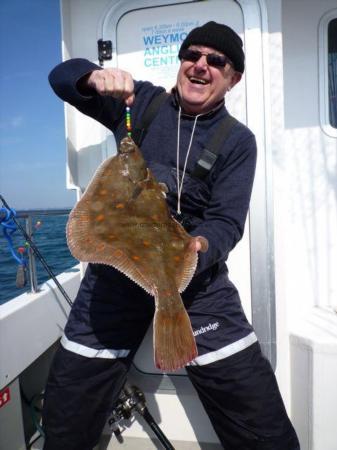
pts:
pixel 198 80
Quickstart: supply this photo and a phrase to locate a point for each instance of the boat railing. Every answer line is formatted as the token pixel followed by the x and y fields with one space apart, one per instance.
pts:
pixel 28 215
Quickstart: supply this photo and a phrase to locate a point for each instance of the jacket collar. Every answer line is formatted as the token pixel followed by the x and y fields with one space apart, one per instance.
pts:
pixel 206 115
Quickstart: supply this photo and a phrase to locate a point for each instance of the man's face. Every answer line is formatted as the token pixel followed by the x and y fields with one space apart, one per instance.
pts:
pixel 200 85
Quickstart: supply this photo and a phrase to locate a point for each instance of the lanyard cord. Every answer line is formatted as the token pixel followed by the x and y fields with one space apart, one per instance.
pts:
pixel 180 182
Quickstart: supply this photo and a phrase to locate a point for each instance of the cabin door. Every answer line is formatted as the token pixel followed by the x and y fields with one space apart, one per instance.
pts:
pixel 146 36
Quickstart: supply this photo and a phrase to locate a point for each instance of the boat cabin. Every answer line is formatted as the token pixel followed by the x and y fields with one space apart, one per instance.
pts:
pixel 284 267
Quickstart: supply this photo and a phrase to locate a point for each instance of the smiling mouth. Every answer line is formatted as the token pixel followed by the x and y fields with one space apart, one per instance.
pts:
pixel 196 80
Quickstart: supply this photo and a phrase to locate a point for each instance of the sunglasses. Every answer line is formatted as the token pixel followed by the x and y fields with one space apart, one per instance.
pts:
pixel 212 58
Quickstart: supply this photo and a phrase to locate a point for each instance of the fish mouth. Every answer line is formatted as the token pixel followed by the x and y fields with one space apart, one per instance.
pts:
pixel 127 145
pixel 198 80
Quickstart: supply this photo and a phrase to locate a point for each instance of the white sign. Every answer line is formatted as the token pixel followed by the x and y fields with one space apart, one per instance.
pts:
pixel 152 53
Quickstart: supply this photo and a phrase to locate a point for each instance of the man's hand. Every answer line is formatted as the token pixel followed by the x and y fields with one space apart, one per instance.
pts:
pixel 199 244
pixel 112 82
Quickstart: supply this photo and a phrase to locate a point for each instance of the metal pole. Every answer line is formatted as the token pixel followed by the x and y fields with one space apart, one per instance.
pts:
pixel 31 258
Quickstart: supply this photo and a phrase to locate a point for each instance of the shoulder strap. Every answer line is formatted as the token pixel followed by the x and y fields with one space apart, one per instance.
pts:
pixel 210 153
pixel 142 126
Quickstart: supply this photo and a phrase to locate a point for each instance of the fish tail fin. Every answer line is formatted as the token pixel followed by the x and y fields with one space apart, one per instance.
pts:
pixel 174 343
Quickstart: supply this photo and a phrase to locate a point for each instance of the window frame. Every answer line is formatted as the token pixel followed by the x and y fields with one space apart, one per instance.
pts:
pixel 323 74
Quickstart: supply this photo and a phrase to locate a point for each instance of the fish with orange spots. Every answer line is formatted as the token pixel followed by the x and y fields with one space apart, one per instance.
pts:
pixel 123 220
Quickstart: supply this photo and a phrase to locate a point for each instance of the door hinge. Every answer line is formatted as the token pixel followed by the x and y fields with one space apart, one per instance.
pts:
pixel 104 51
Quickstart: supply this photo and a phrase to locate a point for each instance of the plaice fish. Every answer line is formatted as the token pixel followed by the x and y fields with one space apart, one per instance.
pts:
pixel 123 220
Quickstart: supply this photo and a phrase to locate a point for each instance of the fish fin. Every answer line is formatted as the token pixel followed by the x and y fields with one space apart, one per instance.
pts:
pixel 85 247
pixel 174 343
pixel 185 273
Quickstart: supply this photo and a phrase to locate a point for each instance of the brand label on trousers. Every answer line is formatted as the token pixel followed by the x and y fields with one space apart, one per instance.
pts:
pixel 210 327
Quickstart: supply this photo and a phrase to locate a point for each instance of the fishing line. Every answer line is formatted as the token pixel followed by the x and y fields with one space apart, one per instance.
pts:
pixel 11 215
pixel 128 120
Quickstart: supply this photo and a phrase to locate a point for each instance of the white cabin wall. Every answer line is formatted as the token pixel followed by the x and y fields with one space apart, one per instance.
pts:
pixel 307 164
pixel 304 160
pixel 305 220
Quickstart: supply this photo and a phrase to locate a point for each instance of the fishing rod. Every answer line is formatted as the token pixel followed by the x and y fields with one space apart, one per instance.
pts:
pixel 11 215
pixel 133 399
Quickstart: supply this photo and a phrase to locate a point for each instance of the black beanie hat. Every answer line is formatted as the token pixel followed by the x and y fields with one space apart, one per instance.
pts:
pixel 221 38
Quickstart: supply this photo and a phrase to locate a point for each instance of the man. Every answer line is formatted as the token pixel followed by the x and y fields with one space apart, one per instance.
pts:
pixel 111 314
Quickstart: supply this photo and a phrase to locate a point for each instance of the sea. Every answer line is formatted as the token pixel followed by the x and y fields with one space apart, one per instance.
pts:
pixel 50 238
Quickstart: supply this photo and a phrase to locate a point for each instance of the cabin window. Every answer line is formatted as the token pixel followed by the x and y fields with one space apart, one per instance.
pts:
pixel 332 71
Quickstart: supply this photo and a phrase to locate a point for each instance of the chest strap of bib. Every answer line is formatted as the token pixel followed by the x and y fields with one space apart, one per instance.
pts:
pixel 210 153
pixel 142 126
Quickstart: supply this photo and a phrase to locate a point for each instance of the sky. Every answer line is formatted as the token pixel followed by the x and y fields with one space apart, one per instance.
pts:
pixel 32 137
